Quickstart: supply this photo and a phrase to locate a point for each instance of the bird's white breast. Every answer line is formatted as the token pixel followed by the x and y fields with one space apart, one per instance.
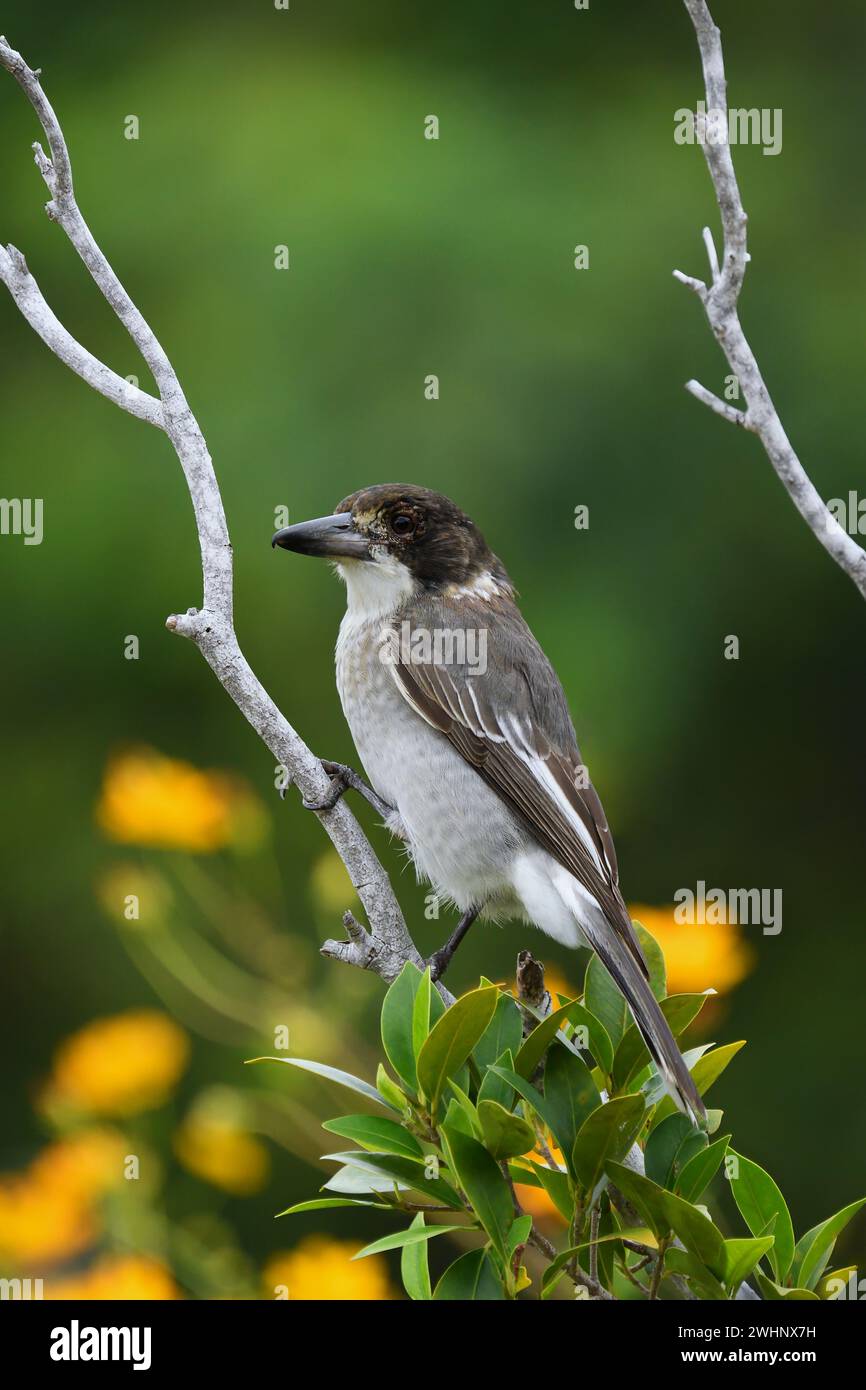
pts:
pixel 461 836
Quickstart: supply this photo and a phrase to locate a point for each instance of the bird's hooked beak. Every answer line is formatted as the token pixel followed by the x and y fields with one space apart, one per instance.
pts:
pixel 335 537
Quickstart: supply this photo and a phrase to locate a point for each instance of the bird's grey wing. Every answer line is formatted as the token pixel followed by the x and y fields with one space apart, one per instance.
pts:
pixel 508 717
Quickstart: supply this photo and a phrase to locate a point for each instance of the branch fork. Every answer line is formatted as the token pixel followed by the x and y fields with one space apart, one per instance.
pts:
pixel 720 301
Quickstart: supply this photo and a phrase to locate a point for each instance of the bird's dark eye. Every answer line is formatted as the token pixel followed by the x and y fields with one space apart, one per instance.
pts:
pixel 402 523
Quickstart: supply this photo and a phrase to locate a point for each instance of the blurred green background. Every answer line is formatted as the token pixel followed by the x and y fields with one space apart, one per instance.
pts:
pixel 261 127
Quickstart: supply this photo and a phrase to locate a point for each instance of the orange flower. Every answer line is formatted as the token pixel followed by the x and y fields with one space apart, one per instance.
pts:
pixel 50 1211
pixel 697 957
pixel 149 799
pixel 322 1269
pixel 119 1065
pixel 117 1277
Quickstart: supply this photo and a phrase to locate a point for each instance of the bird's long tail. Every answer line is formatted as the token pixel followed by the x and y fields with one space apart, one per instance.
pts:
pixel 634 986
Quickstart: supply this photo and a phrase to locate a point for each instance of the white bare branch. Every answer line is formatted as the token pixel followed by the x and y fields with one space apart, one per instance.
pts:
pixel 723 408
pixel 720 304
pixel 387 945
pixel 27 295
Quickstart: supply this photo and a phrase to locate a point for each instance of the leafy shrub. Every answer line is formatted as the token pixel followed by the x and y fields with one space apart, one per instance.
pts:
pixel 489 1093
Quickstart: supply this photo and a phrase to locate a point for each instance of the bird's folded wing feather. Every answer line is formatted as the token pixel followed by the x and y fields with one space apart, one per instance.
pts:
pixel 508 718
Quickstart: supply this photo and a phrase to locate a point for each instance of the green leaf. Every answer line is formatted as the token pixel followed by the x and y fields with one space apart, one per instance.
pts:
pixel 607 1133
pixel 597 1041
pixel 741 1256
pixel 538 1041
pixel 427 1009
pixel 452 1039
pixel 653 1086
pixel 415 1267
pixel 457 1118
pixel 632 1055
pixel 605 1002
pixel 707 1069
pixel 323 1203
pixel 355 1181
pixel 505 1135
pixel 570 1094
pixel 655 960
pixel 406 1171
pixel 759 1200
pixel 816 1247
pixel 398 1008
pixel 371 1132
pixel 399 1239
pixel 471 1278
pixel 502 1034
pixel 663 1212
pixel 390 1092
pixel 663 1146
pixel 480 1178
pixel 681 1010
pixel 521 1170
pixel 697 1233
pixel 519 1234
pixel 533 1097
pixel 775 1292
pixel 342 1078
pixel 699 1171
pixel 691 1146
pixel 468 1109
pixel 493 1087
pixel 643 1194
pixel 710 1066
pixel 838 1284
pixel 558 1188
pixel 704 1284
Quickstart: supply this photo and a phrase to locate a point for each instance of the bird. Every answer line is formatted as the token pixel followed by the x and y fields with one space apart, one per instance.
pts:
pixel 464 732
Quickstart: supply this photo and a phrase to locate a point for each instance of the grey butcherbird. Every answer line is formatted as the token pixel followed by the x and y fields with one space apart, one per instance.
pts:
pixel 463 729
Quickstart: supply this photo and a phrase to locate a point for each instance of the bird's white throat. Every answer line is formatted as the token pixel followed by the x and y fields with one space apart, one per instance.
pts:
pixel 375 588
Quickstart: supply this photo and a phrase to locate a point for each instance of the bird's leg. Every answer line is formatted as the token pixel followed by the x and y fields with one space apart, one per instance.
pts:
pixel 441 959
pixel 342 779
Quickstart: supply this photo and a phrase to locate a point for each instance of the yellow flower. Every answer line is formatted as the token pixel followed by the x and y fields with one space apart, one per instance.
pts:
pixel 84 1164
pixel 697 957
pixel 40 1223
pixel 222 1154
pixel 322 1269
pixel 119 1065
pixel 149 799
pixel 117 1277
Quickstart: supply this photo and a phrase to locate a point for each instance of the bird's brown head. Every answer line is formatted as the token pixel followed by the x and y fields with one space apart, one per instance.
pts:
pixel 400 524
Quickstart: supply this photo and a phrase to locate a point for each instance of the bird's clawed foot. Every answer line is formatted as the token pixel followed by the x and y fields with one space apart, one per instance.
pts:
pixel 438 963
pixel 441 959
pixel 338 787
pixel 343 779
